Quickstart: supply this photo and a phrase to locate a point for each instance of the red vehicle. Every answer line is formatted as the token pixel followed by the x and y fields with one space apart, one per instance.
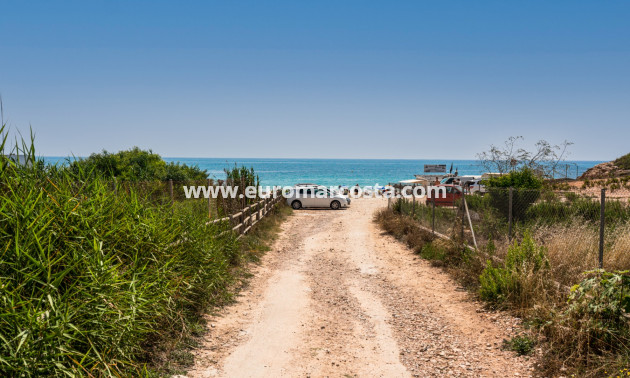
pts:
pixel 453 193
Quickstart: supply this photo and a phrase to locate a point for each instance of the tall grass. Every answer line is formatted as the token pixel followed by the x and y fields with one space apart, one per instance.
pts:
pixel 89 280
pixel 586 330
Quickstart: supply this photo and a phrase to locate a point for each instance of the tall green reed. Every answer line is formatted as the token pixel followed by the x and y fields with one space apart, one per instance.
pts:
pixel 90 279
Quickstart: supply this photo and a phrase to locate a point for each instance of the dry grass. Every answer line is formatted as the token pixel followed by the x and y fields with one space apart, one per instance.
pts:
pixel 576 340
pixel 574 249
pixel 404 229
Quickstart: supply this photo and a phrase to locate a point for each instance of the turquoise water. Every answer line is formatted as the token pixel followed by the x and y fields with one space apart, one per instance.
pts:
pixel 339 171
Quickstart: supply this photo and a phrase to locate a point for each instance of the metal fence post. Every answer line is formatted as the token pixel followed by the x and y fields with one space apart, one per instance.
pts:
pixel 602 217
pixel 510 201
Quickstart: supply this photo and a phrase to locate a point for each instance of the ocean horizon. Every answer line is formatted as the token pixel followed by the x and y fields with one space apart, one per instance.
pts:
pixel 333 172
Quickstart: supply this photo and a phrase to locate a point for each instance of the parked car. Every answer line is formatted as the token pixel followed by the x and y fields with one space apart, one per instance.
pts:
pixel 461 179
pixel 477 186
pixel 453 193
pixel 316 196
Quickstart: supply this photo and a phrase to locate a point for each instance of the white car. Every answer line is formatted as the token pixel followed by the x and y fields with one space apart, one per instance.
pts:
pixel 316 196
pixel 477 187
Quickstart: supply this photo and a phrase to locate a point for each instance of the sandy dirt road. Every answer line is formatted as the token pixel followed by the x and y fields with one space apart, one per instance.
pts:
pixel 336 297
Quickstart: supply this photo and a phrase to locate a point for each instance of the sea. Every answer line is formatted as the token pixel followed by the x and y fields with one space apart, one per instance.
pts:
pixel 348 172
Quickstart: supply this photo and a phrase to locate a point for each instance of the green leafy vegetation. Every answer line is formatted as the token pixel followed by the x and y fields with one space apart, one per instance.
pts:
pixel 98 282
pixel 241 178
pixel 623 162
pixel 594 330
pixel 585 332
pixel 524 178
pixel 553 210
pixel 525 265
pixel 525 186
pixel 521 344
pixel 136 165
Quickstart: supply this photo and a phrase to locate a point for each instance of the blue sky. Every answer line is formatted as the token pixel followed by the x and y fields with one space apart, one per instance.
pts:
pixel 321 79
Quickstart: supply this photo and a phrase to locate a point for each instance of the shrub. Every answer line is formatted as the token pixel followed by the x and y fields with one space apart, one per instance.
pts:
pixel 526 257
pixel 90 280
pixel 526 190
pixel 595 323
pixel 549 212
pixel 520 275
pixel 477 202
pixel 522 199
pixel 404 228
pixel 522 179
pixel 623 162
pixel 496 284
pixel 572 197
pixel 136 165
pixel 522 344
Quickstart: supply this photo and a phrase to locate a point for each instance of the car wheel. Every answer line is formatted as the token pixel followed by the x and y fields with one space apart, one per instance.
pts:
pixel 335 205
pixel 296 205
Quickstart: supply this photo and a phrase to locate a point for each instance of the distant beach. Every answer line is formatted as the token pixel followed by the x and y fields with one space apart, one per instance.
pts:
pixel 340 171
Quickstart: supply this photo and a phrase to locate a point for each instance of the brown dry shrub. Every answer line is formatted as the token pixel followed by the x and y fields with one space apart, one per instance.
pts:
pixel 404 229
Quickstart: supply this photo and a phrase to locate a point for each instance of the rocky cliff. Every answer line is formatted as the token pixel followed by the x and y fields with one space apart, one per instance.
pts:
pixel 616 168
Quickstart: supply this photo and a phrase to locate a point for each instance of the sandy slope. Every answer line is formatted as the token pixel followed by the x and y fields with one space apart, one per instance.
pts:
pixel 335 297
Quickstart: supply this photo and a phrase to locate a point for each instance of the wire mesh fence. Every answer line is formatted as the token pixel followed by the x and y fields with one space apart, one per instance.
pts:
pixel 580 231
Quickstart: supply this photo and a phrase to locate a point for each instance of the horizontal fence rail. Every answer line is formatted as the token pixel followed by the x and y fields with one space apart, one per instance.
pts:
pixel 242 213
pixel 250 215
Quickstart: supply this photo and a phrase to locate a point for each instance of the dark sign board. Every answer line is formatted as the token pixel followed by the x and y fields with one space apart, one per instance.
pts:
pixel 435 168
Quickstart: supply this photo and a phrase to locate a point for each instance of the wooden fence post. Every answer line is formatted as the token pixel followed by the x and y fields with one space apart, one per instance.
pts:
pixel 258 210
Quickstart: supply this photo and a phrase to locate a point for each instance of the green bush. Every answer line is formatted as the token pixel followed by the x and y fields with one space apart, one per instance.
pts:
pixel 90 280
pixel 432 251
pixel 596 320
pixel 526 257
pixel 522 179
pixel 522 344
pixel 549 212
pixel 623 162
pixel 496 284
pixel 478 202
pixel 136 165
pixel 577 209
pixel 522 199
pixel 526 190
pixel 522 263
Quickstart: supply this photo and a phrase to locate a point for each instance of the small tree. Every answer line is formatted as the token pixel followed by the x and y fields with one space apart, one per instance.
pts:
pixel 543 160
pixel 525 184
